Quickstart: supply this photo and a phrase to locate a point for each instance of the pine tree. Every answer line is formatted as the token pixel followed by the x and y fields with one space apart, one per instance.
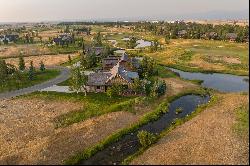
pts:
pixel 3 70
pixel 42 66
pixel 70 60
pixel 31 71
pixel 21 63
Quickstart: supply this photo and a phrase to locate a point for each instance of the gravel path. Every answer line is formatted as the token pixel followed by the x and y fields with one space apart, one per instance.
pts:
pixel 65 73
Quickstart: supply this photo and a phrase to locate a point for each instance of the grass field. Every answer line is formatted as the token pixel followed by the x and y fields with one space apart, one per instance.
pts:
pixel 14 84
pixel 204 55
pixel 242 125
pixel 91 105
pixel 48 60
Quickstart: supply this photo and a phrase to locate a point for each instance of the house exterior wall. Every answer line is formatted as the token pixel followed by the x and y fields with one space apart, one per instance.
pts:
pixel 96 89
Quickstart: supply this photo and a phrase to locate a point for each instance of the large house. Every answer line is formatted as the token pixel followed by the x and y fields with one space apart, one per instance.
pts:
pixel 124 60
pixel 99 82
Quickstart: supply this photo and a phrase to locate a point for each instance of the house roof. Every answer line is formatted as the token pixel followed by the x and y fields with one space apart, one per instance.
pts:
pixel 63 37
pixel 96 50
pixel 98 79
pixel 111 60
pixel 182 32
pixel 124 57
pixel 231 35
pixel 118 70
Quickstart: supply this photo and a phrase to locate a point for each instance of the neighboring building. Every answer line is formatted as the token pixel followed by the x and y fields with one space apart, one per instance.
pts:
pixel 63 39
pixel 210 35
pixel 182 33
pixel 96 50
pixel 99 82
pixel 9 38
pixel 124 60
pixel 109 62
pixel 231 37
pixel 1 38
pixel 246 39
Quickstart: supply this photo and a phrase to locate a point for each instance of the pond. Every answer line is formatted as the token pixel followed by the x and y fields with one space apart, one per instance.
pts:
pixel 143 43
pixel 217 81
pixel 129 144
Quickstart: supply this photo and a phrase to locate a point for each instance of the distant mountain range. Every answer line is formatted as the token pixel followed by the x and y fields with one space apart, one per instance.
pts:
pixel 211 15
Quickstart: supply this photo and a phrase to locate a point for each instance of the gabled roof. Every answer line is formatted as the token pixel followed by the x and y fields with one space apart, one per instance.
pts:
pixel 231 35
pixel 124 57
pixel 182 32
pixel 118 70
pixel 95 50
pixel 98 79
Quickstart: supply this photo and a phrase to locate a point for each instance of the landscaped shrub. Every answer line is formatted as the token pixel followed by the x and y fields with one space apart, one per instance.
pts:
pixel 158 89
pixel 146 139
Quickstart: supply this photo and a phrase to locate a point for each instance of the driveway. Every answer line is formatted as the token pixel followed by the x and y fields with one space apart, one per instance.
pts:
pixel 64 75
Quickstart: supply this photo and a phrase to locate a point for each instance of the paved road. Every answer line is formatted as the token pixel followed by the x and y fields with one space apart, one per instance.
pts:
pixel 65 73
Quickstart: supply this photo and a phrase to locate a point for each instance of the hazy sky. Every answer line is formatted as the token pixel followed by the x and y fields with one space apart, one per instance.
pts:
pixel 41 10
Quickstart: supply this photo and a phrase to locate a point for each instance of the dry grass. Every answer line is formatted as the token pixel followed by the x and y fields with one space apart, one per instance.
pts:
pixel 48 60
pixel 15 50
pixel 49 34
pixel 205 55
pixel 28 135
pixel 206 139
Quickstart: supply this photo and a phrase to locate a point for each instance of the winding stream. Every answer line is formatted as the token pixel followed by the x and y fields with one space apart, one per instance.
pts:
pixel 129 144
pixel 217 81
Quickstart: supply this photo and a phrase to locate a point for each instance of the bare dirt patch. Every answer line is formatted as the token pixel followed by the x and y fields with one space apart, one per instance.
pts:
pixel 48 60
pixel 49 34
pixel 28 134
pixel 206 139
pixel 231 60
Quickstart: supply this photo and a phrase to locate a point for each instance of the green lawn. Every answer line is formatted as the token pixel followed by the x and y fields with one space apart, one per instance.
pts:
pixel 242 125
pixel 94 104
pixel 13 84
pixel 72 48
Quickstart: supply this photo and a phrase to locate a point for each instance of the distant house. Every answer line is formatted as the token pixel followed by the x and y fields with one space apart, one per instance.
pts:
pixel 9 38
pixel 246 39
pixel 182 33
pixel 99 82
pixel 231 37
pixel 210 36
pixel 1 38
pixel 82 31
pixel 63 39
pixel 96 50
